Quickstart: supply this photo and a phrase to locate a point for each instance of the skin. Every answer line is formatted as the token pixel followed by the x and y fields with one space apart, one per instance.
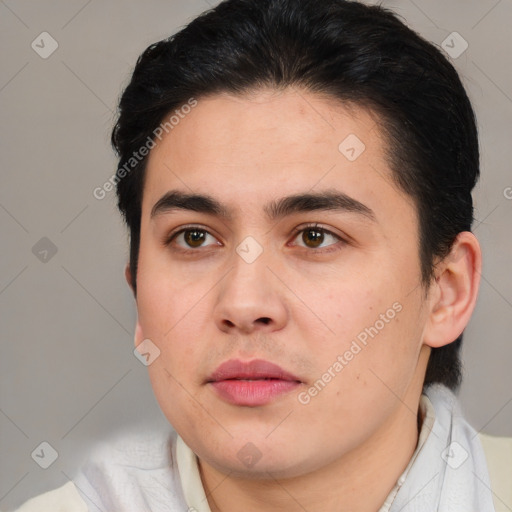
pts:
pixel 345 449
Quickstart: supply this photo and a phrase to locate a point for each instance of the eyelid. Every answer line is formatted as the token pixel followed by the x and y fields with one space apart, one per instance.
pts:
pixel 316 225
pixel 188 227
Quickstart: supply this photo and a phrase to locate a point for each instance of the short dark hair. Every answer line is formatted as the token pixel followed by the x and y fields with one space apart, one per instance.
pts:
pixel 345 50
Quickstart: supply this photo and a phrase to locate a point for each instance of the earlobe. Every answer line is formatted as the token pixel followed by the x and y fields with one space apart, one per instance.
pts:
pixel 139 335
pixel 128 276
pixel 454 291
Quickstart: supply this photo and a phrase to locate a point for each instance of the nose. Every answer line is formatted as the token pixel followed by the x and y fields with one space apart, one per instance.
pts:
pixel 250 298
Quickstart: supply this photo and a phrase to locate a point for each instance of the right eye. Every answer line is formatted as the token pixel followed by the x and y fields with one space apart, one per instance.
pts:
pixel 190 238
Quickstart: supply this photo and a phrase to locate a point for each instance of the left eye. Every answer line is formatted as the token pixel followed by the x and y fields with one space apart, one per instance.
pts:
pixel 313 237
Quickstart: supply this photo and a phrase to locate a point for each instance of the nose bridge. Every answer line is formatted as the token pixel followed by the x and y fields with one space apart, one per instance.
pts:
pixel 249 297
pixel 249 268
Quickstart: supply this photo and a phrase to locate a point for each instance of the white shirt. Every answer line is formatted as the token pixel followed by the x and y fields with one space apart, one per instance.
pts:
pixel 158 472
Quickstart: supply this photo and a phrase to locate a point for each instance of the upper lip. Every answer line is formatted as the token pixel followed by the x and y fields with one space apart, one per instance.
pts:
pixel 257 369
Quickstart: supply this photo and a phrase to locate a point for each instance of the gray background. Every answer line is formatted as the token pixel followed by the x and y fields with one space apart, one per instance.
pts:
pixel 68 374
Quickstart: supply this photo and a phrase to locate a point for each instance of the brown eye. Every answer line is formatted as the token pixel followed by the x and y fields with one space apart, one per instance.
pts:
pixel 190 238
pixel 315 237
pixel 312 237
pixel 194 237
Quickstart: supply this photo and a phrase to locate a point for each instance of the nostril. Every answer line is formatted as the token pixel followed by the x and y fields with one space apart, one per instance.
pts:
pixel 264 320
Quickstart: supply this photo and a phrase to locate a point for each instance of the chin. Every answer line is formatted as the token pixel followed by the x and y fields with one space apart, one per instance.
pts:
pixel 260 461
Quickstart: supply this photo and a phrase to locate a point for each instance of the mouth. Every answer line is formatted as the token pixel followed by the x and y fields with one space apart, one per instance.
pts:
pixel 253 383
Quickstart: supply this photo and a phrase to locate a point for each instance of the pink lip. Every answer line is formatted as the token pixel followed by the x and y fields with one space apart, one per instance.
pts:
pixel 252 383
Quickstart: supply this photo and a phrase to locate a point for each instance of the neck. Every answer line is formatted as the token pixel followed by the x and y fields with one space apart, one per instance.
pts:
pixel 360 481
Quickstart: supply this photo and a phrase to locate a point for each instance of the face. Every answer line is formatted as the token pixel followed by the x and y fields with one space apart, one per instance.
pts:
pixel 286 304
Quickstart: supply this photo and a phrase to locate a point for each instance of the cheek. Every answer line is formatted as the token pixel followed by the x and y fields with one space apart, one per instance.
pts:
pixel 346 308
pixel 373 337
pixel 175 395
pixel 363 377
pixel 164 320
pixel 164 301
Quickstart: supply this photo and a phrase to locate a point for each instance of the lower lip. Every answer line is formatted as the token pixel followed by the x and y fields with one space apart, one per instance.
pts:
pixel 253 393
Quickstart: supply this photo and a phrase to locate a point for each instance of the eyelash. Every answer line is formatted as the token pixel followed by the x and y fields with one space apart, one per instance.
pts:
pixel 169 239
pixel 315 226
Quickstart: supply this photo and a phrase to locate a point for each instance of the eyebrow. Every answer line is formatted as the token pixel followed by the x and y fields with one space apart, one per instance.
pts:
pixel 277 209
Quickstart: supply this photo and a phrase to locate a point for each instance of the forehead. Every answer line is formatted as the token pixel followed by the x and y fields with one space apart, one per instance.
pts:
pixel 294 124
pixel 244 149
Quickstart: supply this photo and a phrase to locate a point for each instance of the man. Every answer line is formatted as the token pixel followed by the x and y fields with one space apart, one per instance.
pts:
pixel 303 267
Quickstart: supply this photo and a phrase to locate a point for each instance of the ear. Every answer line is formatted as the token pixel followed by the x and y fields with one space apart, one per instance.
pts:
pixel 454 292
pixel 139 335
pixel 128 276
